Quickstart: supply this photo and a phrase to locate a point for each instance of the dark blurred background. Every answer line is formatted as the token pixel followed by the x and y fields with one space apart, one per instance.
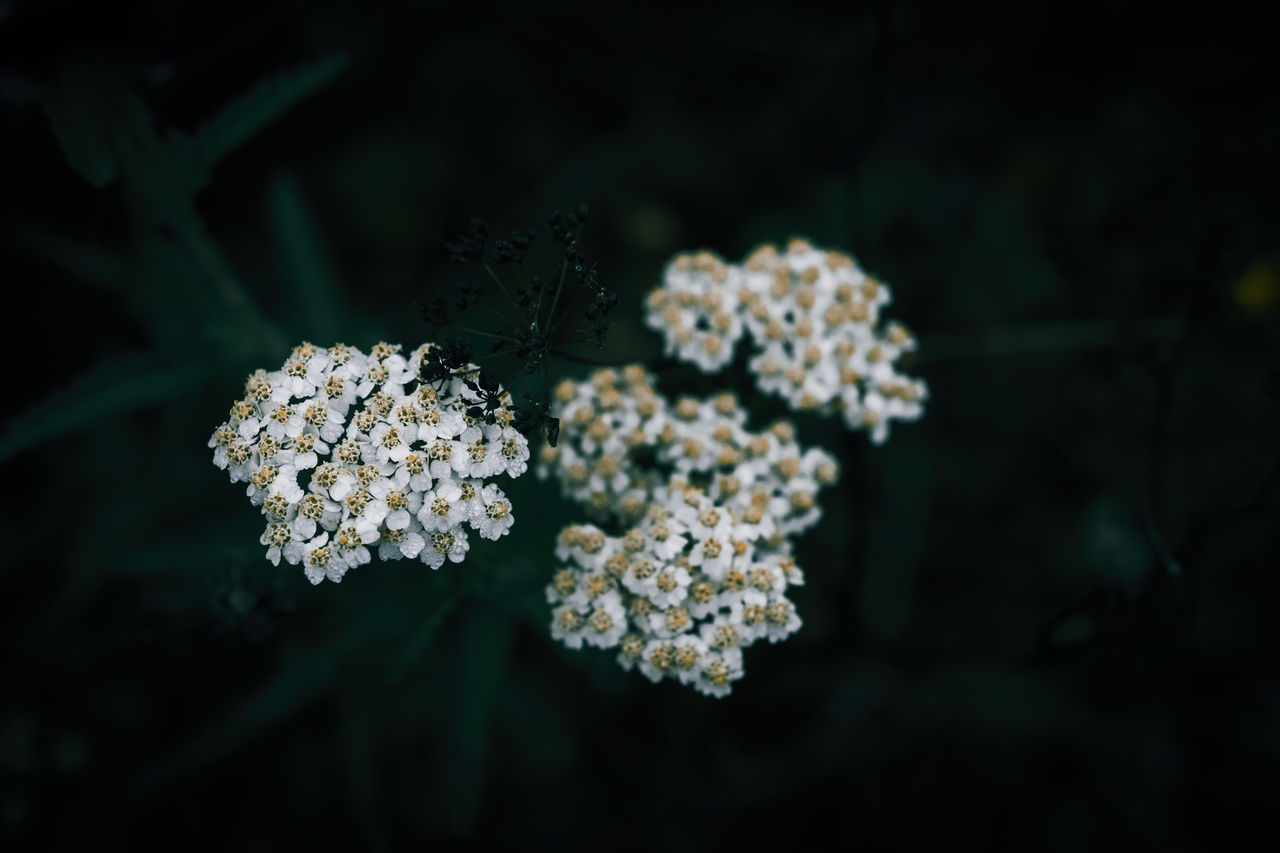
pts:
pixel 1043 616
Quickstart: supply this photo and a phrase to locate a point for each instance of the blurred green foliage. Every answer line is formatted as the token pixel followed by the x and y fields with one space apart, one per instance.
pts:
pixel 1042 613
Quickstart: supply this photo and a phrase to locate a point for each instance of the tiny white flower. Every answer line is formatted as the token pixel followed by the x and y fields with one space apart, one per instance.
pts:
pixel 449 544
pixel 657 660
pixel 400 370
pixel 261 482
pixel 401 501
pixel 606 623
pixel 286 483
pixel 748 613
pixel 277 537
pixel 282 421
pixel 414 467
pixel 722 633
pixel 319 561
pixel 686 651
pixel 566 626
pixel 477 458
pixel 316 412
pixel 304 450
pixel 442 507
pixel 390 442
pixel 445 457
pixel 670 622
pixel 395 544
pixel 315 511
pixel 436 422
pixel 349 542
pixel 496 519
pixel 718 671
pixel 781 620
pixel 668 586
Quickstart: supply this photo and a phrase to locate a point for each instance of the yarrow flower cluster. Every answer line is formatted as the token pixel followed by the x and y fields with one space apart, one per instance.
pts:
pixel 687 555
pixel 701 511
pixel 814 320
pixel 345 452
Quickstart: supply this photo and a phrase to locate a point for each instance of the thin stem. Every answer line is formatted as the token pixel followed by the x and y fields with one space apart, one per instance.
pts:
pixel 472 331
pixel 505 320
pixel 493 275
pixel 537 305
pixel 568 312
pixel 551 315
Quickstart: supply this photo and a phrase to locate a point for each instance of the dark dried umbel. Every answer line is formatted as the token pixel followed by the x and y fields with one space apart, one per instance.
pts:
pixel 441 361
pixel 531 327
pixel 536 417
pixel 489 397
pixel 469 246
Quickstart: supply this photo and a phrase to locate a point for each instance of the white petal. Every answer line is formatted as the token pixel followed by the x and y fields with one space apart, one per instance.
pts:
pixel 413 545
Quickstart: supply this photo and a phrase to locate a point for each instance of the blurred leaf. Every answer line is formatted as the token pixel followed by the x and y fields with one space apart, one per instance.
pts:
pixel 991 697
pixel 193 554
pixel 85 261
pixel 1115 544
pixel 298 683
pixel 81 120
pixel 253 110
pixel 1074 630
pixel 428 625
pixel 108 130
pixel 162 180
pixel 897 530
pixel 190 293
pixel 315 287
pixel 482 656
pixel 20 90
pixel 528 710
pixel 360 735
pixel 258 333
pixel 103 391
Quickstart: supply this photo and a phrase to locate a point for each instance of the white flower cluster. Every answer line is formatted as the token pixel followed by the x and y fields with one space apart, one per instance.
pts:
pixel 705 511
pixel 813 318
pixel 344 451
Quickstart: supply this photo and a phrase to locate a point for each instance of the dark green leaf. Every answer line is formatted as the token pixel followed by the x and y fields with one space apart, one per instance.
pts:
pixel 85 261
pixel 292 689
pixel 253 110
pixel 484 647
pixel 438 609
pixel 310 273
pixel 101 392
pixel 80 121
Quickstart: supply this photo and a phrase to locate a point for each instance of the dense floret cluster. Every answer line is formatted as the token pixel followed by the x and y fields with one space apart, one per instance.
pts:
pixel 345 452
pixel 691 560
pixel 814 322
pixel 686 556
